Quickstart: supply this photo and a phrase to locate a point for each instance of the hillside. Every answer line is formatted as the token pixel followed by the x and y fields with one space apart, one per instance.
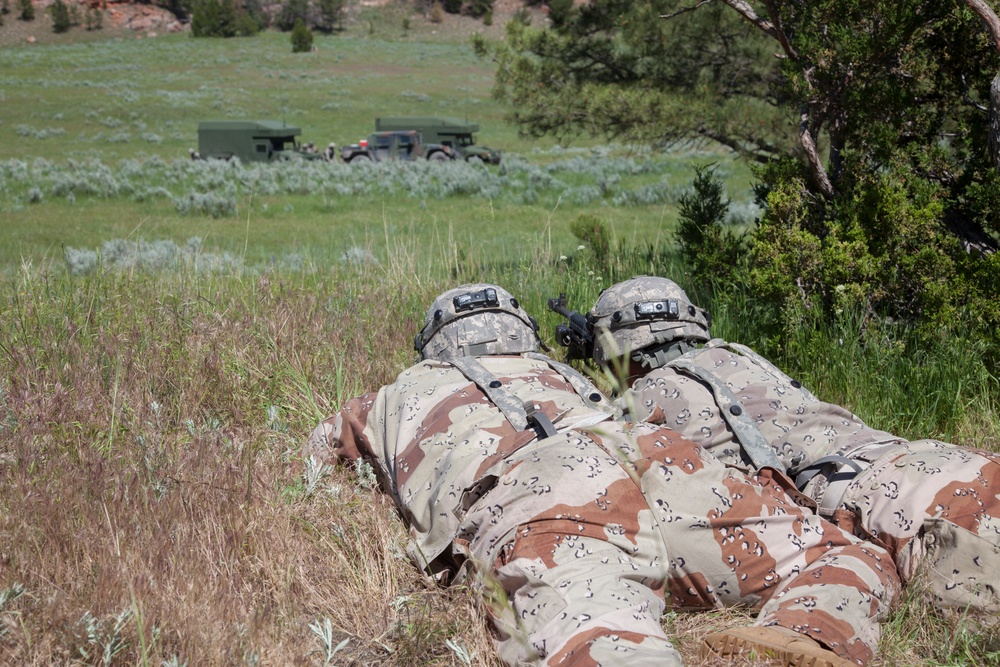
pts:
pixel 138 20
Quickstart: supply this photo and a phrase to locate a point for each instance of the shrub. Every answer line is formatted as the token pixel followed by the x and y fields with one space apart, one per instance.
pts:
pixel 292 11
pixel 302 38
pixel 247 25
pixel 436 14
pixel 591 229
pixel 26 9
pixel 559 11
pixel 213 18
pixel 479 8
pixel 60 16
pixel 452 6
pixel 93 19
pixel 709 253
pixel 330 14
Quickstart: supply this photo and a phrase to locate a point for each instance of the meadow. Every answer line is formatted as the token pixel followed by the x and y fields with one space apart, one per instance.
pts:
pixel 172 330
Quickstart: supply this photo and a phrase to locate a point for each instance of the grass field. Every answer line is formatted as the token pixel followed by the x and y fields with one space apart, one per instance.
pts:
pixel 109 107
pixel 172 330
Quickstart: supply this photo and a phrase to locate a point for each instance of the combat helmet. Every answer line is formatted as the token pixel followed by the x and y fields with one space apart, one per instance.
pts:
pixel 648 318
pixel 476 320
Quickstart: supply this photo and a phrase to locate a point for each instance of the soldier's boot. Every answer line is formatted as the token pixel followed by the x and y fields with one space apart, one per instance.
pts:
pixel 780 645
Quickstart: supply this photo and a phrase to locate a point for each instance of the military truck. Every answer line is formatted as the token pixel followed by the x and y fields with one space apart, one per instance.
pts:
pixel 445 130
pixel 251 141
pixel 402 145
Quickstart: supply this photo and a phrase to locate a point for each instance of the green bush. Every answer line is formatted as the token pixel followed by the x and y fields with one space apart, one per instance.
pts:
pixel 480 8
pixel 93 19
pixel 452 6
pixel 292 11
pixel 592 230
pixel 60 16
pixel 302 38
pixel 882 246
pixel 26 9
pixel 710 253
pixel 214 18
pixel 331 13
pixel 559 11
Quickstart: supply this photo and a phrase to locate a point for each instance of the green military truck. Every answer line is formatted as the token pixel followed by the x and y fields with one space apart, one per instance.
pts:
pixel 404 145
pixel 251 141
pixel 444 130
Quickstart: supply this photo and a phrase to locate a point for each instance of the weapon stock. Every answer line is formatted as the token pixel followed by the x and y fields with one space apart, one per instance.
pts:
pixel 575 333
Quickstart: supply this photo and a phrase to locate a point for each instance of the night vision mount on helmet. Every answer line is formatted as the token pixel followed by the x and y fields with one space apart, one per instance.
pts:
pixel 476 320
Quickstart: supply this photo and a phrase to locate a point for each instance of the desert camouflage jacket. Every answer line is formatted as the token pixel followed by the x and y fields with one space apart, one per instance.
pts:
pixel 437 441
pixel 799 428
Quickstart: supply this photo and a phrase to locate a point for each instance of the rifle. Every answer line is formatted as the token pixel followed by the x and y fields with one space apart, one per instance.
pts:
pixel 574 334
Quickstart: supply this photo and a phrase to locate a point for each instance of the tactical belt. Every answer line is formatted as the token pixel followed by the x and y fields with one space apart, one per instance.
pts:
pixel 752 441
pixel 838 472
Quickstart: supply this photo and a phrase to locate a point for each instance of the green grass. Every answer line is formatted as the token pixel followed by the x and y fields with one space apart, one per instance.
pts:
pixel 128 99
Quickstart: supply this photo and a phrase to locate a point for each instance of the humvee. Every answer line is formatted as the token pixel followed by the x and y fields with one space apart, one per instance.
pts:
pixel 402 145
pixel 445 130
pixel 251 141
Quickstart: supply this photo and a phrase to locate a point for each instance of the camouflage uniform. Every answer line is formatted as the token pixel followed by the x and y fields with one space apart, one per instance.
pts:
pixel 581 526
pixel 934 505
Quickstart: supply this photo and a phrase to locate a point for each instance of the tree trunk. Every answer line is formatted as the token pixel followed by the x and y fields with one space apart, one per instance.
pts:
pixel 992 23
pixel 820 177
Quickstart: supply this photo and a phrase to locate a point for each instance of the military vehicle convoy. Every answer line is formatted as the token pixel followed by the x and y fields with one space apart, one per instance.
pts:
pixel 438 138
pixel 397 145
pixel 445 130
pixel 251 141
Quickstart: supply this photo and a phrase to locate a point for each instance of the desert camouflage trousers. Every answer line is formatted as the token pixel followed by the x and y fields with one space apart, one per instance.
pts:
pixel 937 509
pixel 586 537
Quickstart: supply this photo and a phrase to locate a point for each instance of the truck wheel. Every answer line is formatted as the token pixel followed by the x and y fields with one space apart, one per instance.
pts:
pixel 360 158
pixel 439 156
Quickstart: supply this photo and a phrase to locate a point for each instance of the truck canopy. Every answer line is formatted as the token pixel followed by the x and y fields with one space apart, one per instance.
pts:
pixel 249 140
pixel 446 130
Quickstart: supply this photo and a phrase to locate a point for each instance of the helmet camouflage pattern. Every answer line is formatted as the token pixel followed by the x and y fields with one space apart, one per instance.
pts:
pixel 642 313
pixel 476 320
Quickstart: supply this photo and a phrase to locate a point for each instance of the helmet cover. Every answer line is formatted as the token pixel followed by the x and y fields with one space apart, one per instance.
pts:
pixel 641 313
pixel 476 320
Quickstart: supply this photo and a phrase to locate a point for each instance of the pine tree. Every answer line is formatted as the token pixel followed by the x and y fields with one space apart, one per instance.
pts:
pixel 60 16
pixel 302 38
pixel 27 10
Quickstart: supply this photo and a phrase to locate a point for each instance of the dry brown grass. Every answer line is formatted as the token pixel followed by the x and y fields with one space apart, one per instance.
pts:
pixel 152 502
pixel 145 480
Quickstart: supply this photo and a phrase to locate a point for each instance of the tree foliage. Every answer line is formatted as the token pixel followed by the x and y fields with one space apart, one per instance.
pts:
pixel 710 252
pixel 302 38
pixel 292 11
pixel 225 18
pixel 870 123
pixel 330 14
pixel 60 16
pixel 26 10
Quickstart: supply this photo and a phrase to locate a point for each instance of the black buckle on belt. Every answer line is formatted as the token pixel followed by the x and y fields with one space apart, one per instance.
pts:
pixel 538 420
